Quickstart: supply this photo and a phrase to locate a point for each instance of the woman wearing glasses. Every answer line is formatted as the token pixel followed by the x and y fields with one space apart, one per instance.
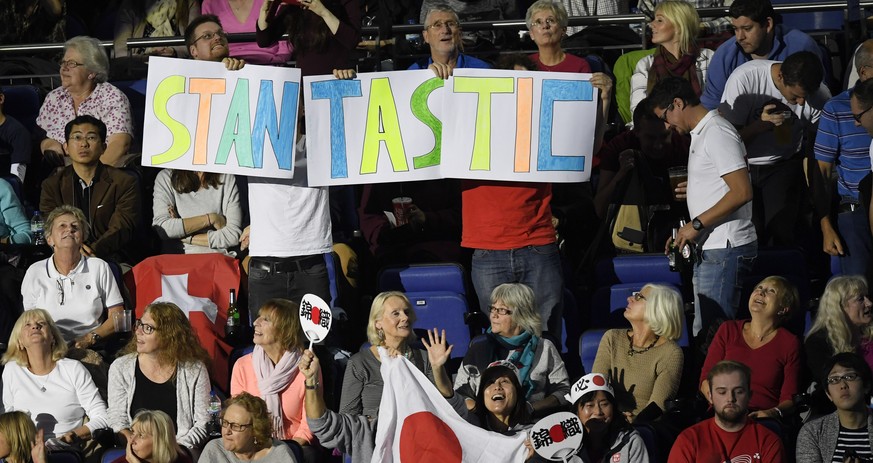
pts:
pixel 644 363
pixel 57 392
pixel 515 335
pixel 245 434
pixel 163 367
pixel 772 352
pixel 84 90
pixel 73 288
pixel 846 434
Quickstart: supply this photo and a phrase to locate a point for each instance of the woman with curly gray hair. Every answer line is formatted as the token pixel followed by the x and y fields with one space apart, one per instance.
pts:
pixel 515 335
pixel 245 434
pixel 84 70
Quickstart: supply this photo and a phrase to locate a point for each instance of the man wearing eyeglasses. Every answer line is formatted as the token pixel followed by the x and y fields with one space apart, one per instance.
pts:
pixel 843 142
pixel 207 41
pixel 775 107
pixel 108 197
pixel 861 104
pixel 719 196
pixel 442 32
pixel 730 435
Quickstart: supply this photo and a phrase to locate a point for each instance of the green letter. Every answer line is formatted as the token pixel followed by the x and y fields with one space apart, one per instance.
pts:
pixel 421 112
pixel 168 87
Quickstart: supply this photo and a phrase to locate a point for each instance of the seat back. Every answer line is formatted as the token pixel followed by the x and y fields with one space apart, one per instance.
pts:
pixel 111 455
pixel 443 310
pixel 23 102
pixel 423 278
pixel 588 344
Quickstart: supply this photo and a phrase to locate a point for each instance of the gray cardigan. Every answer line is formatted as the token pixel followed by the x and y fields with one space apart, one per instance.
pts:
pixel 354 435
pixel 817 440
pixel 192 399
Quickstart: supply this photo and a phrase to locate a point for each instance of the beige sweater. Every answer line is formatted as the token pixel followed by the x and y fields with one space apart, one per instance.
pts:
pixel 647 377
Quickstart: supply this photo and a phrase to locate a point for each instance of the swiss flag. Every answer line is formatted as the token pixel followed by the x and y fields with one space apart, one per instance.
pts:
pixel 417 424
pixel 200 285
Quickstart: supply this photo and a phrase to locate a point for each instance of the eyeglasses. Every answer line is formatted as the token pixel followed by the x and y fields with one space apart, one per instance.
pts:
pixel 70 64
pixel 61 295
pixel 848 377
pixel 145 327
pixel 79 138
pixel 500 310
pixel 548 22
pixel 235 427
pixel 452 25
pixel 663 116
pixel 211 35
pixel 858 116
pixel 638 296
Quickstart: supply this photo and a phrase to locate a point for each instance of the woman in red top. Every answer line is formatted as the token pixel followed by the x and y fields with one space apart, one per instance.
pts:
pixel 772 352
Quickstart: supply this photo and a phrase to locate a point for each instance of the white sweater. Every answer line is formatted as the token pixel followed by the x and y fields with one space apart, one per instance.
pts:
pixel 57 402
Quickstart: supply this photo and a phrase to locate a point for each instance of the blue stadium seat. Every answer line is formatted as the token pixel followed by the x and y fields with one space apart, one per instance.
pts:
pixel 644 268
pixel 423 277
pixel 443 310
pixel 588 344
pixel 110 455
pixel 64 456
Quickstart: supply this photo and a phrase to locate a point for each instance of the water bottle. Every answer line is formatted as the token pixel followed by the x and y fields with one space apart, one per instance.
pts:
pixel 37 228
pixel 214 426
pixel 413 38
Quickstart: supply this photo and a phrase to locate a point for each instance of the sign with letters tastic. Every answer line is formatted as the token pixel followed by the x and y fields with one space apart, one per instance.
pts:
pixel 479 124
pixel 199 116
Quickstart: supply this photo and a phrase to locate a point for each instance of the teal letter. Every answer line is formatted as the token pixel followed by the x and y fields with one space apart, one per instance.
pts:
pixel 237 128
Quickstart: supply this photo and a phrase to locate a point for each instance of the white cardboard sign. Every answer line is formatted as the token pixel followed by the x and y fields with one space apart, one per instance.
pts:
pixel 315 318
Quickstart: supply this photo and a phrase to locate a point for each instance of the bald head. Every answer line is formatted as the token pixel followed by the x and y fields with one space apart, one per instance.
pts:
pixel 864 60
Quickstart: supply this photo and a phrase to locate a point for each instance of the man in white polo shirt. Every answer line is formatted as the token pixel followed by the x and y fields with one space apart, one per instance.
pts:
pixel 719 196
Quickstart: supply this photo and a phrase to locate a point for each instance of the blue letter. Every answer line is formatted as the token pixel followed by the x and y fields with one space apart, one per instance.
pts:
pixel 559 90
pixel 335 91
pixel 281 135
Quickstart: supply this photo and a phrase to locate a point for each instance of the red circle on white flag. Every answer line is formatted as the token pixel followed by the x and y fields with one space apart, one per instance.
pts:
pixel 424 437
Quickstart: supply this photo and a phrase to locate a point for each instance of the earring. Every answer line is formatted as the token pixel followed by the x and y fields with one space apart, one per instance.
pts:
pixel 256 441
pixel 381 334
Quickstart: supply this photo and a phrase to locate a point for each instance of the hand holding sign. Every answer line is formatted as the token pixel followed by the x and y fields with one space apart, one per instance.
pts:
pixel 557 437
pixel 315 318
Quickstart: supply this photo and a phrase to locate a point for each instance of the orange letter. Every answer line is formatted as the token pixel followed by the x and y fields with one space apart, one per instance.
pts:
pixel 205 88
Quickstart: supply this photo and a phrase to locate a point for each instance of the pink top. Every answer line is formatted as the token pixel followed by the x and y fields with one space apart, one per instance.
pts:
pixel 106 103
pixel 277 53
pixel 243 379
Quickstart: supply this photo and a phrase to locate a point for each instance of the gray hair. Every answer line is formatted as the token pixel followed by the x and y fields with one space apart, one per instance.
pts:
pixel 520 298
pixel 664 311
pixel 440 7
pixel 556 8
pixel 65 209
pixel 864 55
pixel 93 55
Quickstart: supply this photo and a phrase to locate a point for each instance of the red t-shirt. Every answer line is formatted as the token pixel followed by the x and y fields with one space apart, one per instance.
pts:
pixel 506 215
pixel 571 63
pixel 705 442
pixel 775 365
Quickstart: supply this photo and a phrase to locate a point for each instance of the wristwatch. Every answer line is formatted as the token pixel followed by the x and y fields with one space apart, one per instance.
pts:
pixel 697 224
pixel 95 338
pixel 313 387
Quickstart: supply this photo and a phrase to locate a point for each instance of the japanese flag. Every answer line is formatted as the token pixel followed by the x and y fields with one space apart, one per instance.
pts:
pixel 417 424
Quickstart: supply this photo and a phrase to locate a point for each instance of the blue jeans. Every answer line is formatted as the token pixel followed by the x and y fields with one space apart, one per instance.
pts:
pixel 854 230
pixel 287 278
pixel 536 266
pixel 718 283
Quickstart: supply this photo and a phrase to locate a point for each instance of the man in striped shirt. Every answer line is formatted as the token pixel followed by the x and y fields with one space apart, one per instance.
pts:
pixel 842 142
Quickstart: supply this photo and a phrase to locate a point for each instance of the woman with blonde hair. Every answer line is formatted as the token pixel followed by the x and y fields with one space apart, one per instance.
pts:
pixel 153 440
pixel 57 392
pixel 271 370
pixel 515 335
pixel 674 31
pixel 245 434
pixel 163 367
pixel 769 350
pixel 389 326
pixel 23 443
pixel 644 363
pixel 843 323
